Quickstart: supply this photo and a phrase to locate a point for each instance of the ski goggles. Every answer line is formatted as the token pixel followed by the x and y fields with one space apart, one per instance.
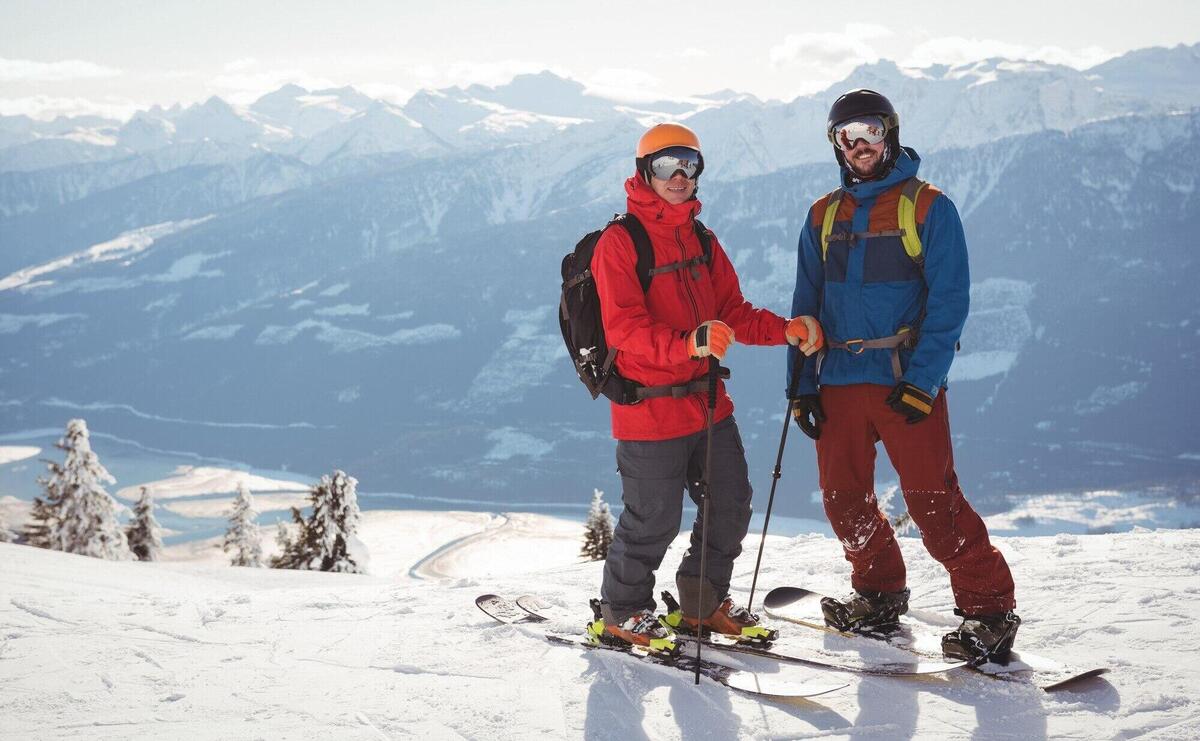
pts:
pixel 870 129
pixel 665 163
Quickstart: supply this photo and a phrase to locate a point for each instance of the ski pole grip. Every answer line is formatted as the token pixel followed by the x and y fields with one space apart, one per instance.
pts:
pixel 714 372
pixel 797 369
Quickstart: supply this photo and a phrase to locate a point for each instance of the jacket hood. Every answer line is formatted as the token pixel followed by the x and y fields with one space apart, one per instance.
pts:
pixel 650 208
pixel 906 167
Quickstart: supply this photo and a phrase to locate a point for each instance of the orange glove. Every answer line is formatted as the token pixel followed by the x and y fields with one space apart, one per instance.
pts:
pixel 805 332
pixel 710 338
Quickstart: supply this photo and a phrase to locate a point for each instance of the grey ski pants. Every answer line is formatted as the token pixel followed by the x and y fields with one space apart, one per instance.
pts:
pixel 654 475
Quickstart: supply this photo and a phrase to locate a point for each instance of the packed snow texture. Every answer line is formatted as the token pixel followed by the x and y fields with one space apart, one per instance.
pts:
pixel 199 649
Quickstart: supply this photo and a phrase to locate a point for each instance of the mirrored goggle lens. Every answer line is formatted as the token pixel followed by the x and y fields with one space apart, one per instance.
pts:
pixel 869 129
pixel 665 164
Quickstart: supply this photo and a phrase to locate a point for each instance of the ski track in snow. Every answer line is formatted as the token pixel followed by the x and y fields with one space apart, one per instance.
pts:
pixel 38 612
pixel 200 649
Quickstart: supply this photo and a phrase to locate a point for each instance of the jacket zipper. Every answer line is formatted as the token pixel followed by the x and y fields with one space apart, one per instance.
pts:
pixel 703 401
pixel 687 288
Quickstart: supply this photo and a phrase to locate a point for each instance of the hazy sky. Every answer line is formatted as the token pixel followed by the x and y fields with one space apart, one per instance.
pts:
pixel 114 57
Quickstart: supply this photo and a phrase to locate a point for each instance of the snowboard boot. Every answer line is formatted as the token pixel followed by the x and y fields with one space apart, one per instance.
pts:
pixel 641 629
pixel 728 619
pixel 866 611
pixel 982 638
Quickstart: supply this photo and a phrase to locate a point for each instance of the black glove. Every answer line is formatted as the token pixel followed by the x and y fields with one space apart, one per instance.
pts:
pixel 804 406
pixel 910 402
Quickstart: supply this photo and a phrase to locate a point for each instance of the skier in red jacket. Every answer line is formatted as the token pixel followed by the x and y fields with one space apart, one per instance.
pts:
pixel 665 335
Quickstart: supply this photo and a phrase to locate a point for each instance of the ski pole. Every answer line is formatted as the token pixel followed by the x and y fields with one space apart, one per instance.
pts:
pixel 793 382
pixel 714 370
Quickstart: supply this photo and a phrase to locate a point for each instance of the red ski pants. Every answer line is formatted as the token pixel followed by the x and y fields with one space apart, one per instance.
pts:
pixel 856 418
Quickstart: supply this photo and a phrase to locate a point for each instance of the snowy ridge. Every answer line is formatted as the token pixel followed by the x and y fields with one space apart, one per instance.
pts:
pixel 210 649
pixel 125 245
pixel 964 105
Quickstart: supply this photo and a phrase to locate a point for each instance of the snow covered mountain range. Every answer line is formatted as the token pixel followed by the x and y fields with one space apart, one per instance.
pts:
pixel 322 279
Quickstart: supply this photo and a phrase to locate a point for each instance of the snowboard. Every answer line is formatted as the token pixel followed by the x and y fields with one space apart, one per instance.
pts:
pixel 801 606
pixel 753 683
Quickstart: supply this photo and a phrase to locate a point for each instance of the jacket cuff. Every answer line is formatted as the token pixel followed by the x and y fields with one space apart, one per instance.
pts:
pixel 678 352
pixel 930 387
pixel 782 335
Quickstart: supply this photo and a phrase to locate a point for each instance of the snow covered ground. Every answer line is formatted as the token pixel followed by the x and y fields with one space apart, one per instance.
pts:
pixel 197 649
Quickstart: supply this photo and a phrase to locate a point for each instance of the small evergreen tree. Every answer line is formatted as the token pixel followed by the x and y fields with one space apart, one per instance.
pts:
pixel 6 535
pixel 43 518
pixel 282 539
pixel 144 533
pixel 243 537
pixel 326 540
pixel 903 523
pixel 598 531
pixel 85 519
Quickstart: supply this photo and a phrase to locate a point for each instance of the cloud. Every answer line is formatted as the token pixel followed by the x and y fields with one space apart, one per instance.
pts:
pixel 239 65
pixel 486 73
pixel 817 59
pixel 47 108
pixel 625 85
pixel 245 80
pixel 829 48
pixel 26 70
pixel 955 50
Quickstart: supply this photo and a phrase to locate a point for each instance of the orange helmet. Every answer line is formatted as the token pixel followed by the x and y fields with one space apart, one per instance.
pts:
pixel 664 136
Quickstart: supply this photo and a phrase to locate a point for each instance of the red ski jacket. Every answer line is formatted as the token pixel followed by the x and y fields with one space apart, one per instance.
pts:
pixel 650 329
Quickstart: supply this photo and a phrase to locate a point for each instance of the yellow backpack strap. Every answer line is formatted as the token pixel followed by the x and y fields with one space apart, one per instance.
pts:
pixel 907 218
pixel 831 209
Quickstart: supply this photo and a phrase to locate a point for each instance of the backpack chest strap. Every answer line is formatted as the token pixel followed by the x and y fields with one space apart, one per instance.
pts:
pixel 855 236
pixel 692 263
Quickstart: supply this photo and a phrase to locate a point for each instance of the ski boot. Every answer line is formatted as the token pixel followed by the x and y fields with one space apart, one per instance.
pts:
pixel 642 629
pixel 736 622
pixel 866 611
pixel 982 638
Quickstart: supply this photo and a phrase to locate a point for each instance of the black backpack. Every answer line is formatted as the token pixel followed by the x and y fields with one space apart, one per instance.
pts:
pixel 579 312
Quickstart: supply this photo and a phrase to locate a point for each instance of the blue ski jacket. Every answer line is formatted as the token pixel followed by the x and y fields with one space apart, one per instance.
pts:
pixel 869 288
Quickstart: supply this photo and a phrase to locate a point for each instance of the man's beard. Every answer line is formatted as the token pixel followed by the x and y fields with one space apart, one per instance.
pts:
pixel 876 167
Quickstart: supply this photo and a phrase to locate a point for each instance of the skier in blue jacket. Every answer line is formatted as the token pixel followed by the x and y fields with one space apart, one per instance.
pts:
pixel 883 266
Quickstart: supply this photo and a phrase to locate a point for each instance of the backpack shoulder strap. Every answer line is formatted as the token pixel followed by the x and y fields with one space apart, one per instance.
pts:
pixel 907 218
pixel 641 245
pixel 833 202
pixel 706 237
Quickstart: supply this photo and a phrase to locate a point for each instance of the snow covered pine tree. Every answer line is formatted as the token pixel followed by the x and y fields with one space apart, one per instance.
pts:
pixel 598 535
pixel 84 518
pixel 326 541
pixel 144 533
pixel 43 517
pixel 243 537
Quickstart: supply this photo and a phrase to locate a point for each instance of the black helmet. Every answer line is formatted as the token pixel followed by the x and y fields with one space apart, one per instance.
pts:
pixel 863 102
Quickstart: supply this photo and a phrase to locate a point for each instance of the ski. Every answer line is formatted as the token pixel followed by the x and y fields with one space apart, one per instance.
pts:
pixel 534 608
pixel 803 607
pixel 917 668
pixel 759 684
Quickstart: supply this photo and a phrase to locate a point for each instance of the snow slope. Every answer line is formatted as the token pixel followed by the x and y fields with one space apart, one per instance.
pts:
pixel 196 649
